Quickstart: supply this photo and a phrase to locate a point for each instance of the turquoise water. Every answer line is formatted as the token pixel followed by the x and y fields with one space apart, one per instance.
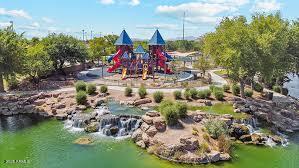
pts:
pixel 49 145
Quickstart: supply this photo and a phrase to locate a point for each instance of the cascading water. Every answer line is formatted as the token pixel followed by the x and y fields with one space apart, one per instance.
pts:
pixel 109 124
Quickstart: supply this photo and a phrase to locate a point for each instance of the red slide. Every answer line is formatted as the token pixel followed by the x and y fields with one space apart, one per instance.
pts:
pixel 162 60
pixel 116 61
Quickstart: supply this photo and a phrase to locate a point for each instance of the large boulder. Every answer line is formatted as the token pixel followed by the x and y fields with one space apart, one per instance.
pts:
pixel 214 156
pixel 147 119
pixel 114 130
pixel 39 102
pixel 152 114
pixel 193 158
pixel 159 123
pixel 141 144
pixel 190 143
pixel 152 131
pixel 144 126
pixel 83 141
pixel 224 157
pixel 92 127
pixel 145 138
pixel 137 135
pixel 246 138
pixel 142 101
pixel 237 130
pixel 59 106
pixel 62 116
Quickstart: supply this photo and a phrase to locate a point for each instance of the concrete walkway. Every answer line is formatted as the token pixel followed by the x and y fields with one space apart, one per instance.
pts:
pixel 216 79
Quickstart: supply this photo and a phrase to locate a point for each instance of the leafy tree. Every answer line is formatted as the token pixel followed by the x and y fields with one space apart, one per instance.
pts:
pixel 233 47
pixel 12 51
pixel 64 49
pixel 97 48
pixel 111 39
pixel 293 46
pixel 37 62
pixel 144 44
pixel 271 36
pixel 203 63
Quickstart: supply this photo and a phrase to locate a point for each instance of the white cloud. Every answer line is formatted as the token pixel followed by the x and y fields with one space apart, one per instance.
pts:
pixel 266 6
pixel 4 24
pixel 32 26
pixel 134 2
pixel 107 2
pixel 207 11
pixel 47 20
pixel 15 13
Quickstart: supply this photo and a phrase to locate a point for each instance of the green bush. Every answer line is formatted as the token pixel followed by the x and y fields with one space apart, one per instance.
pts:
pixel 276 88
pixel 128 91
pixel 187 94
pixel 235 89
pixel 193 93
pixel 142 92
pixel 91 89
pixel 218 94
pixel 104 89
pixel 170 114
pixel 164 104
pixel 81 97
pixel 158 96
pixel 258 87
pixel 211 87
pixel 177 94
pixel 226 88
pixel 216 128
pixel 207 93
pixel 201 94
pixel 248 92
pixel 80 86
pixel 181 109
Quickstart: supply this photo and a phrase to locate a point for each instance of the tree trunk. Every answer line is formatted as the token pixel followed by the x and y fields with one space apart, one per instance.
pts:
pixel 242 86
pixel 1 83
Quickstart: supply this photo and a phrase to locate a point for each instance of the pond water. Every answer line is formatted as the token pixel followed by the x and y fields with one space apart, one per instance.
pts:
pixel 293 85
pixel 48 144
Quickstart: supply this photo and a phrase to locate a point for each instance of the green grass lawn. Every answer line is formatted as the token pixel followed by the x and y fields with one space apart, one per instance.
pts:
pixel 220 108
pixel 221 72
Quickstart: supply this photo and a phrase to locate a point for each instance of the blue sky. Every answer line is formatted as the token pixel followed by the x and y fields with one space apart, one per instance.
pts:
pixel 138 17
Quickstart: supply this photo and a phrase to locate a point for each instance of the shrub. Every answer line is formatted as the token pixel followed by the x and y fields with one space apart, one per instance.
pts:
pixel 204 148
pixel 226 88
pixel 248 92
pixel 91 89
pixel 187 94
pixel 128 91
pixel 216 128
pixel 235 89
pixel 224 144
pixel 177 94
pixel 181 109
pixel 104 89
pixel 142 92
pixel 158 96
pixel 80 86
pixel 211 87
pixel 171 115
pixel 201 94
pixel 81 97
pixel 218 94
pixel 258 87
pixel 207 93
pixel 164 104
pixel 277 88
pixel 193 93
pixel 206 137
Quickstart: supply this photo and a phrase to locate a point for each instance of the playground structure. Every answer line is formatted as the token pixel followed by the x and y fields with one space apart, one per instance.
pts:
pixel 138 62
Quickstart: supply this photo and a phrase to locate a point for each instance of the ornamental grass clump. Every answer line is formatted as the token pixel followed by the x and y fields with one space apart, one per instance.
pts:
pixel 236 89
pixel 170 114
pixel 177 95
pixel 181 109
pixel 187 94
pixel 91 89
pixel 172 111
pixel 128 92
pixel 277 88
pixel 158 96
pixel 104 89
pixel 80 86
pixel 248 92
pixel 81 98
pixel 142 92
pixel 193 93
pixel 226 88
pixel 258 87
pixel 216 128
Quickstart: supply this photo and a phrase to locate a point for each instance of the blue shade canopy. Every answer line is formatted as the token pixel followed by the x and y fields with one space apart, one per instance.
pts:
pixel 157 39
pixel 139 50
pixel 124 39
pixel 145 56
pixel 125 55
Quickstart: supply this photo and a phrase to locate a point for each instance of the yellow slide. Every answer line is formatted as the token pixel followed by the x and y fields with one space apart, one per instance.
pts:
pixel 124 73
pixel 144 72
